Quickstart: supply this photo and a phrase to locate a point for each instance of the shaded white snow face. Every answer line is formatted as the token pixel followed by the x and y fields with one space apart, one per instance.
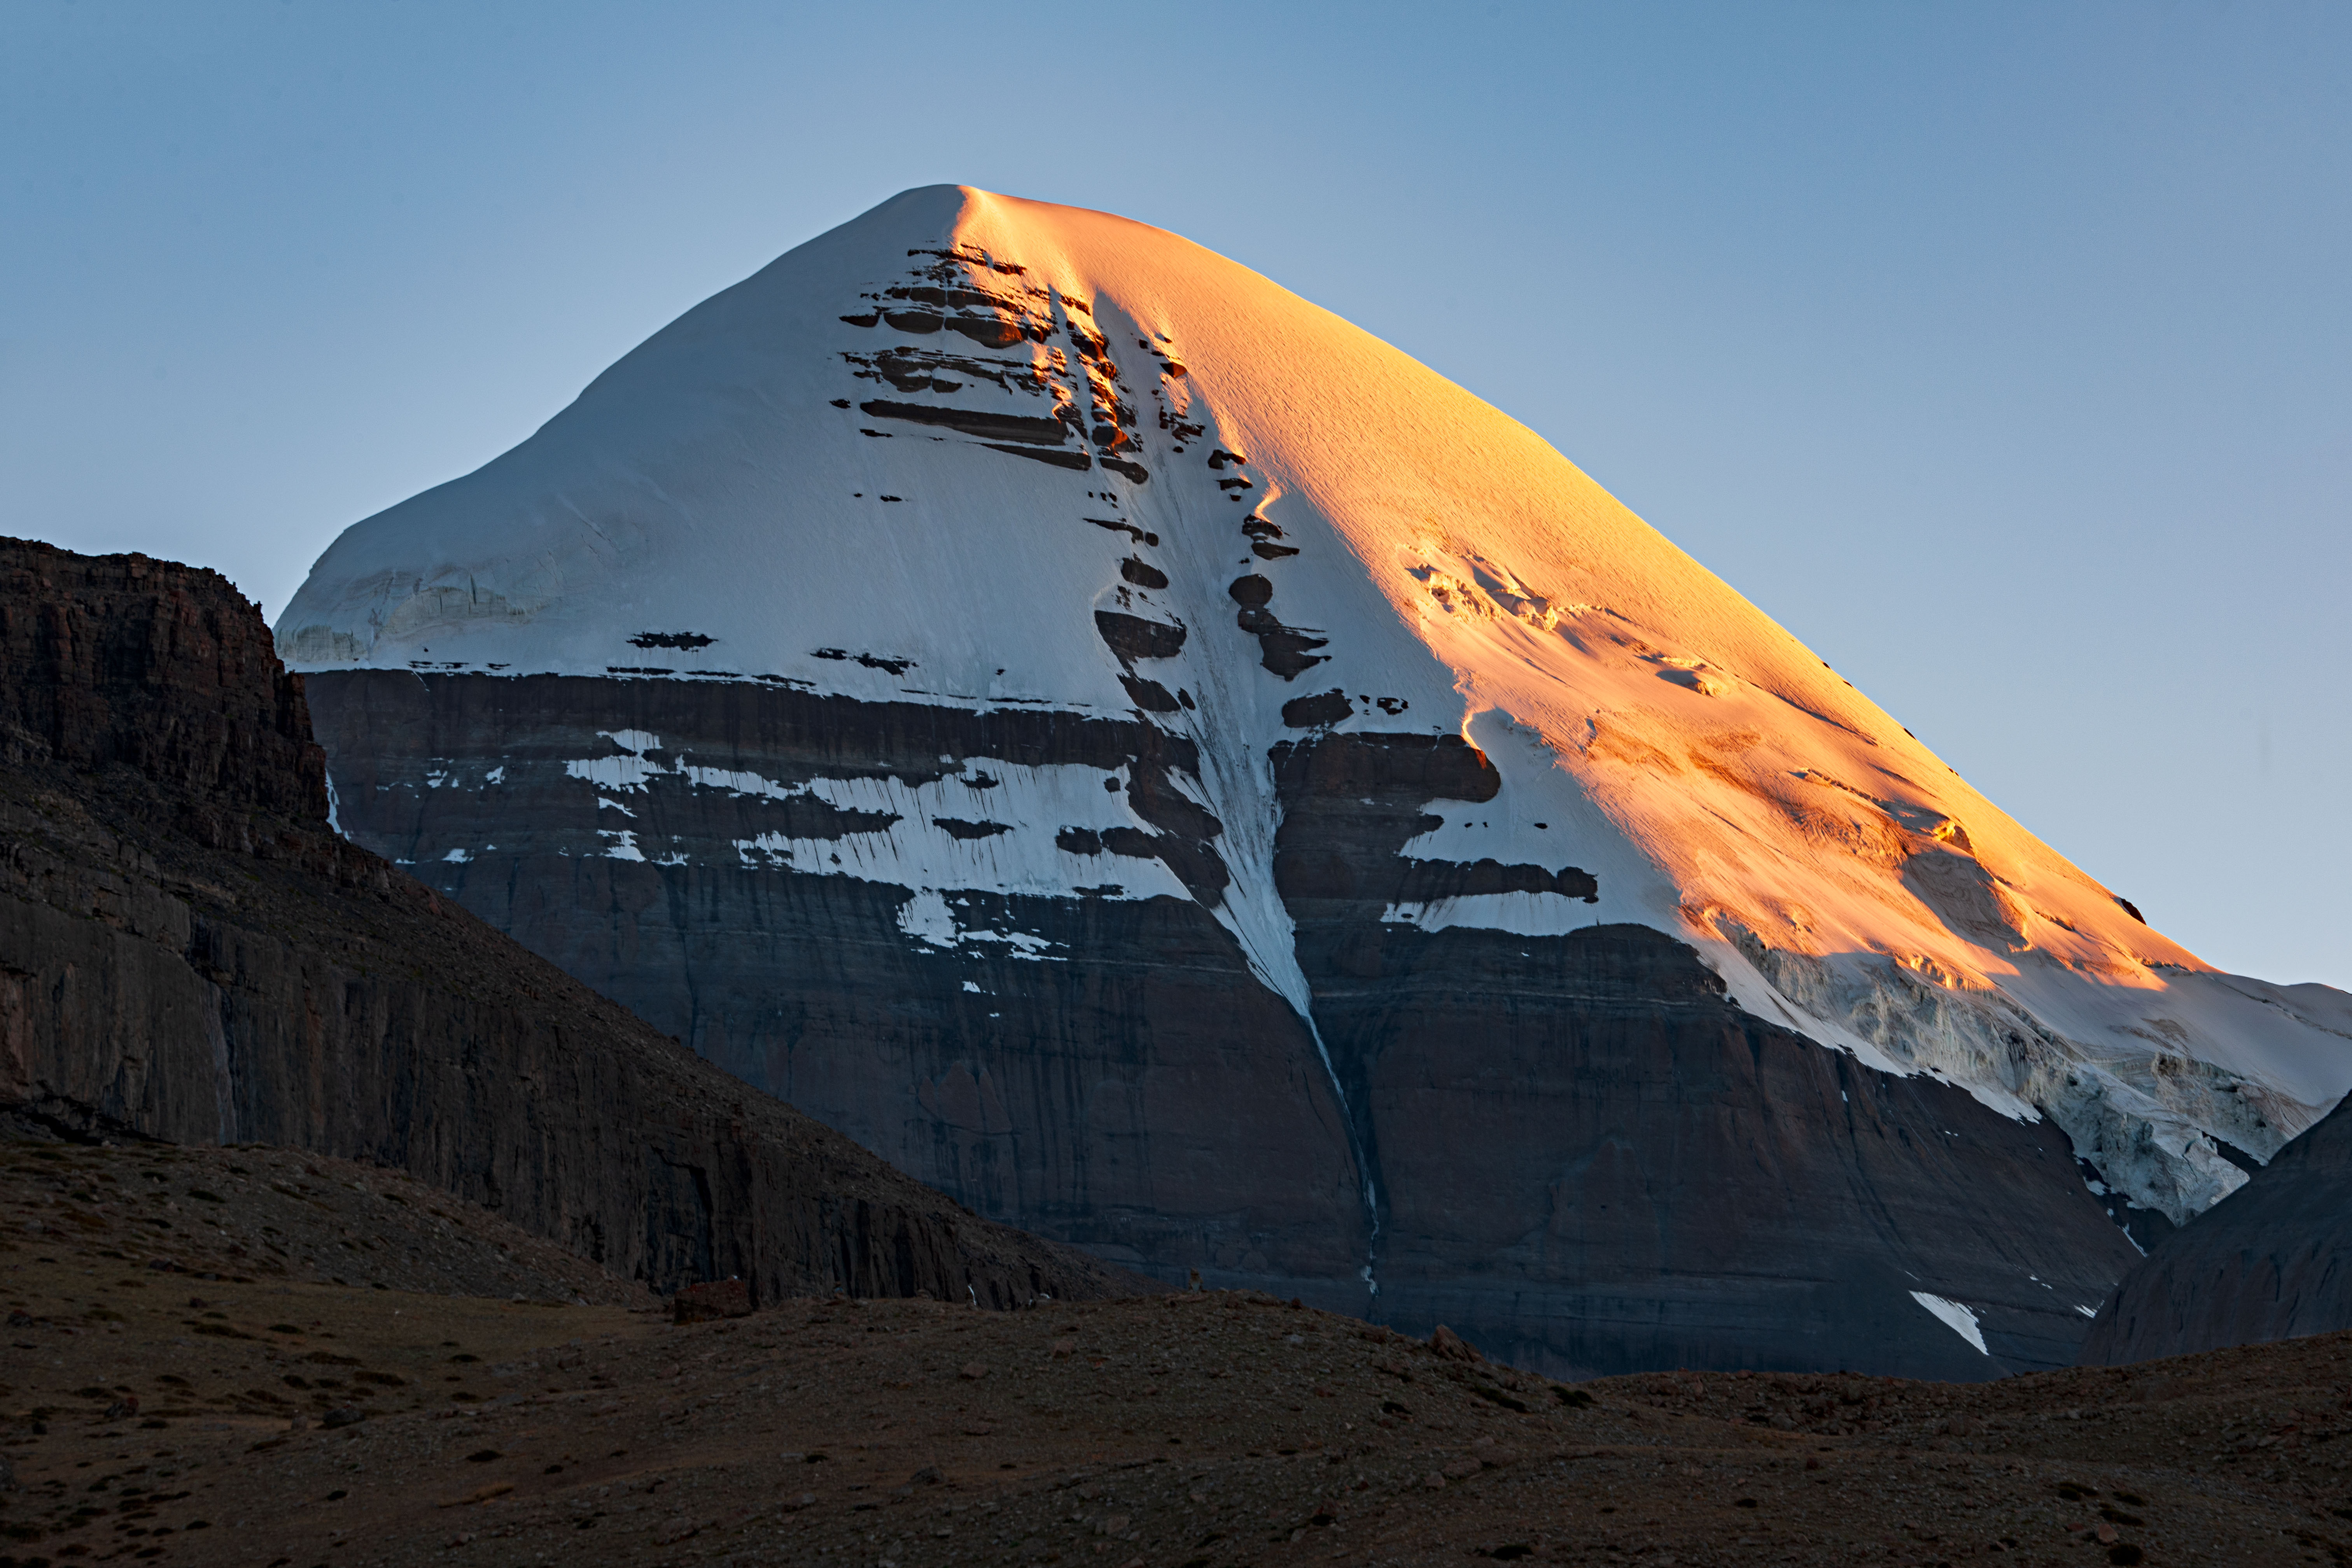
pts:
pixel 1960 1320
pixel 983 453
pixel 997 827
pixel 1521 914
pixel 999 837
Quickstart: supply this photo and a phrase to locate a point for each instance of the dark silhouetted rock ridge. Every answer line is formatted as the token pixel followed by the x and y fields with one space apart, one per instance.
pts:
pixel 2271 1261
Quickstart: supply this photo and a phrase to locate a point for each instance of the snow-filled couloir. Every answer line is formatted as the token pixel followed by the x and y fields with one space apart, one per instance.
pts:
pixel 987 577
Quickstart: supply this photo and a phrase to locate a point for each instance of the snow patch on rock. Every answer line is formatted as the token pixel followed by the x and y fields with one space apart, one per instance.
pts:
pixel 1960 1319
pixel 953 833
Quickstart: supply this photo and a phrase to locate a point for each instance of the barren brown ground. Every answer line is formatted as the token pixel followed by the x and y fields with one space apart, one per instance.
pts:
pixel 1200 1429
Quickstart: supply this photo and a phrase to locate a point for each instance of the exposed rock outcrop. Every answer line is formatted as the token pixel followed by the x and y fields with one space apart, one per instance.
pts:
pixel 188 954
pixel 162 678
pixel 2271 1261
pixel 1592 1161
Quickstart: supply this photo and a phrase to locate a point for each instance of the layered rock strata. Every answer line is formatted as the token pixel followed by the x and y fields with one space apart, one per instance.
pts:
pixel 1105 1067
pixel 188 954
pixel 1576 1148
pixel 1587 1150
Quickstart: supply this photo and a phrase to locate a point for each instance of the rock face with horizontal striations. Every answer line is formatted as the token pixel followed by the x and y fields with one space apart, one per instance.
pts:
pixel 1105 1098
pixel 1158 764
pixel 2271 1261
pixel 1587 1151
pixel 188 954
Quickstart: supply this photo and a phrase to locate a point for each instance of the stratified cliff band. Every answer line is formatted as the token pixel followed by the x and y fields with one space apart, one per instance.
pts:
pixel 1582 1154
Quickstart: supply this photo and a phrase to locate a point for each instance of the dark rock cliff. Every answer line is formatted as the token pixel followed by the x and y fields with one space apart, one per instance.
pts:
pixel 1123 1082
pixel 162 677
pixel 1586 1150
pixel 1580 1152
pixel 2271 1261
pixel 188 954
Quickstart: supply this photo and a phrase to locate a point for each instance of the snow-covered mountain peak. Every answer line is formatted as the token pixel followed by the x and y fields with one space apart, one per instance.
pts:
pixel 984 453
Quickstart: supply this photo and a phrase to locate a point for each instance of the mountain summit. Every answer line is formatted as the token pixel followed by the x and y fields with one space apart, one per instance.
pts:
pixel 1159 763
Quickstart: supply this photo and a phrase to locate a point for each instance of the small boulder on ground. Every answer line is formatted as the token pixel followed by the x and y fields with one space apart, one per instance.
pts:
pixel 1451 1345
pixel 711 1300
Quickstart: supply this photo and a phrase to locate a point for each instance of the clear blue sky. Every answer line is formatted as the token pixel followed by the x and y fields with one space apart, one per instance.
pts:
pixel 2001 351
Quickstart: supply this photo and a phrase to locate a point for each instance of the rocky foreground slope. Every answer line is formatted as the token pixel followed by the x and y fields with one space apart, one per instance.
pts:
pixel 188 954
pixel 1211 1429
pixel 1158 764
pixel 183 1216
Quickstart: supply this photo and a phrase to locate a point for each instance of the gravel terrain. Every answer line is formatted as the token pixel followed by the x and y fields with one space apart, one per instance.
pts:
pixel 251 1214
pixel 275 1419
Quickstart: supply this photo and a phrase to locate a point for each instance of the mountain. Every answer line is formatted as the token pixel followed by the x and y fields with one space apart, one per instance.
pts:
pixel 189 955
pixel 2268 1262
pixel 1162 765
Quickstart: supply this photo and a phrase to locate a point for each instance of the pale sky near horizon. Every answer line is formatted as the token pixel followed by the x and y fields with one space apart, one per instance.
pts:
pixel 2002 352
